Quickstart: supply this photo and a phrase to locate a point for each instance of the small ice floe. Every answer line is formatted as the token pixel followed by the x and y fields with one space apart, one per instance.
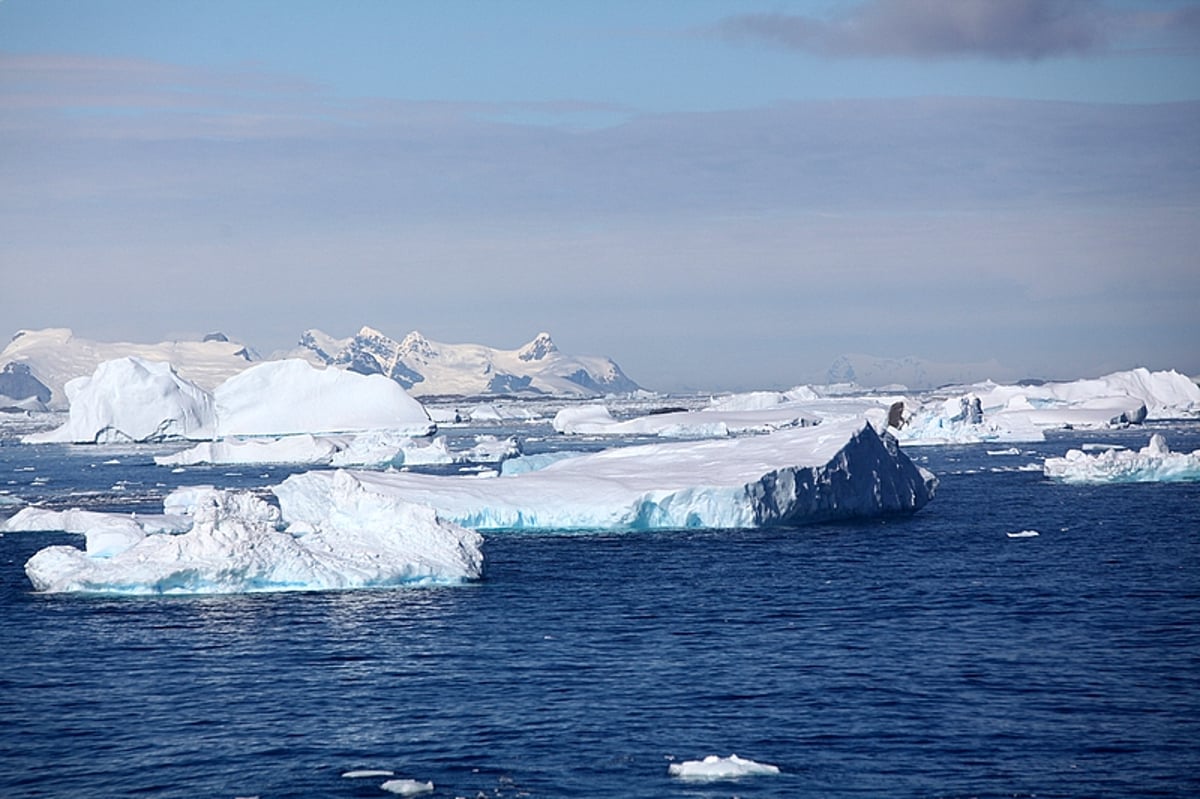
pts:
pixel 714 767
pixel 359 774
pixel 111 462
pixel 1153 463
pixel 1091 447
pixel 1009 451
pixel 1024 534
pixel 406 787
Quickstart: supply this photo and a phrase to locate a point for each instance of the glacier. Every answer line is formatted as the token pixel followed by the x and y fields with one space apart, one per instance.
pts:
pixel 55 356
pixel 426 367
pixel 238 543
pixel 837 470
pixel 1153 463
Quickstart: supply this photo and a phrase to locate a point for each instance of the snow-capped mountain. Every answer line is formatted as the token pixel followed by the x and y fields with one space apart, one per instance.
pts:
pixel 51 357
pixel 430 368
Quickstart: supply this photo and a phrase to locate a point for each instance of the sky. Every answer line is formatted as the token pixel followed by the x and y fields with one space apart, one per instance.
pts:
pixel 717 194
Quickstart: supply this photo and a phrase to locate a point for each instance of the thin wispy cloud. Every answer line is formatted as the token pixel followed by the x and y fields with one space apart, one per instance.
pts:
pixel 946 29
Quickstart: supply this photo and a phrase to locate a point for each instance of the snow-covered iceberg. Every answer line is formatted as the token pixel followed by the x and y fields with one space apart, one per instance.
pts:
pixel 990 412
pixel 1153 463
pixel 796 476
pixel 237 543
pixel 715 767
pixel 288 397
pixel 132 399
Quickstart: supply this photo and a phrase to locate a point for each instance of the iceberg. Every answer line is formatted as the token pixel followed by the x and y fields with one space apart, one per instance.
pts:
pixel 237 543
pixel 720 768
pixel 292 396
pixel 801 475
pixel 1017 413
pixel 1153 463
pixel 132 399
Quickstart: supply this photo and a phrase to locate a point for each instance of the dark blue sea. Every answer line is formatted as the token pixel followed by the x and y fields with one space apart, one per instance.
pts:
pixel 930 656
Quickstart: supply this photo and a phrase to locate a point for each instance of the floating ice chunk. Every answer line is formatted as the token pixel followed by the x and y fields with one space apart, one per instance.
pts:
pixel 802 475
pixel 720 768
pixel 290 449
pixel 367 773
pixel 235 546
pixel 1151 464
pixel 1024 534
pixel 130 399
pixel 106 534
pixel 755 414
pixel 406 787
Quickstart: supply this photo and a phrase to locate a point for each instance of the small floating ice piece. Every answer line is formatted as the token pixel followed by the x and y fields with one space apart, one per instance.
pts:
pixel 406 787
pixel 1025 534
pixel 368 772
pixel 720 768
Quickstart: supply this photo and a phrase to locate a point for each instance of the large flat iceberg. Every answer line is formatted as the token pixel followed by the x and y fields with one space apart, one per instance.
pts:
pixel 1153 463
pixel 833 471
pixel 237 543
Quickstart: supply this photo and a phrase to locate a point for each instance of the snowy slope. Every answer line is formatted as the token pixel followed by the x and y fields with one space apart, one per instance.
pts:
pixel 55 356
pixel 426 367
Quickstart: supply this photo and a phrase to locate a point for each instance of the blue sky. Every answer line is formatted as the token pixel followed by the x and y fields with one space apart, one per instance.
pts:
pixel 689 187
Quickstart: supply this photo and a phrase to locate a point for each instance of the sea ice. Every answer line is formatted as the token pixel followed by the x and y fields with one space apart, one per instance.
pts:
pixel 714 767
pixel 795 476
pixel 235 545
pixel 1153 463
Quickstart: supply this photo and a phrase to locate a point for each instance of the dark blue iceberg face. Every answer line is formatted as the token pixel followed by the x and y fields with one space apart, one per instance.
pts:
pixel 869 477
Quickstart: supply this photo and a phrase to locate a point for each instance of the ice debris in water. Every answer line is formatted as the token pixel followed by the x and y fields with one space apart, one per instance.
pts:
pixel 1025 534
pixel 358 774
pixel 714 767
pixel 406 787
pixel 237 543
pixel 1152 463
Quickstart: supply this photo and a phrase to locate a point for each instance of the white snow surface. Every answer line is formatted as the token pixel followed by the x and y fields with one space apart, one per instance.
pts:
pixel 56 356
pixel 236 545
pixel 833 471
pixel 427 367
pixel 1153 463
pixel 1013 413
pixel 714 767
pixel 131 399
pixel 292 396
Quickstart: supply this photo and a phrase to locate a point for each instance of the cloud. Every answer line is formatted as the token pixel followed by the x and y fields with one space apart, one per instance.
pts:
pixel 999 29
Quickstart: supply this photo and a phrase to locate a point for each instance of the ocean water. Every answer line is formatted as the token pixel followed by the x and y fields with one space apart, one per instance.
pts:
pixel 929 656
